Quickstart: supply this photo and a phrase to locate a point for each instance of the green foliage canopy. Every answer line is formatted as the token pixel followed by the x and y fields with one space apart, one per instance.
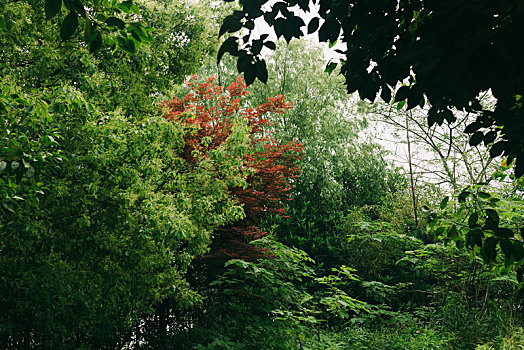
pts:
pixel 447 51
pixel 99 214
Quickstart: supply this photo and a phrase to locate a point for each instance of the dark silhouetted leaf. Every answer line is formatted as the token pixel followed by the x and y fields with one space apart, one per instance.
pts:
pixel 519 166
pixel 230 46
pixel 490 137
pixel 249 25
pixel 415 95
pixel 402 93
pixel 130 46
pixel 492 220
pixel 78 7
pixel 230 24
pixel 69 26
pixel 385 93
pixel 329 31
pixel 261 68
pixel 313 25
pixel 504 232
pixel 452 232
pixel 518 250
pixel 256 47
pixel 270 45
pixel 484 195
pixel 473 219
pixel 474 238
pixel 476 138
pixel 448 116
pixel 488 250
pixel 506 247
pixel 463 195
pixel 497 149
pixel 250 75
pixel 52 7
pixel 471 128
pixel 244 63
pixel 96 41
pixel 434 117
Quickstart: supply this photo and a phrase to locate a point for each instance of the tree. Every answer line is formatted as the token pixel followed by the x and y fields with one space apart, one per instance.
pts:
pixel 101 238
pixel 271 164
pixel 446 52
pixel 100 215
pixel 236 144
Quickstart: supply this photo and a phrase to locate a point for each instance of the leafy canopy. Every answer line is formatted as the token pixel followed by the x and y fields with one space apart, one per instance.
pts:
pixel 448 51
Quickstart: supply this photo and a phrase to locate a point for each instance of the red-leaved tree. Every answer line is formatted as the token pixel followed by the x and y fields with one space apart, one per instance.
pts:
pixel 213 111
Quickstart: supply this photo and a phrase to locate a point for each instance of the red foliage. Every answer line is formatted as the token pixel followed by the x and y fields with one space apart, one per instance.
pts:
pixel 211 108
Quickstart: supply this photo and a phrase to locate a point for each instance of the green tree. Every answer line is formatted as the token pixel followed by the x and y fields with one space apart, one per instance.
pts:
pixel 99 214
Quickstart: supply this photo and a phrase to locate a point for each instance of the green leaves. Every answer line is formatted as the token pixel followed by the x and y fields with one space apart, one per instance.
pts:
pixel 132 34
pixel 52 8
pixel 444 202
pixel 491 223
pixel 115 22
pixel 69 26
pixel 330 67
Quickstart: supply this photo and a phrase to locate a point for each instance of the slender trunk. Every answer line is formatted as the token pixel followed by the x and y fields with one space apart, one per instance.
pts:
pixel 413 197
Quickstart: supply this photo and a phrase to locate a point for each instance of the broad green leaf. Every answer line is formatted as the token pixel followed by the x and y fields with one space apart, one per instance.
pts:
pixel 484 195
pixel 330 67
pixel 135 9
pixel 88 30
pixel 115 22
pixel 473 219
pixel 452 232
pixel 444 202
